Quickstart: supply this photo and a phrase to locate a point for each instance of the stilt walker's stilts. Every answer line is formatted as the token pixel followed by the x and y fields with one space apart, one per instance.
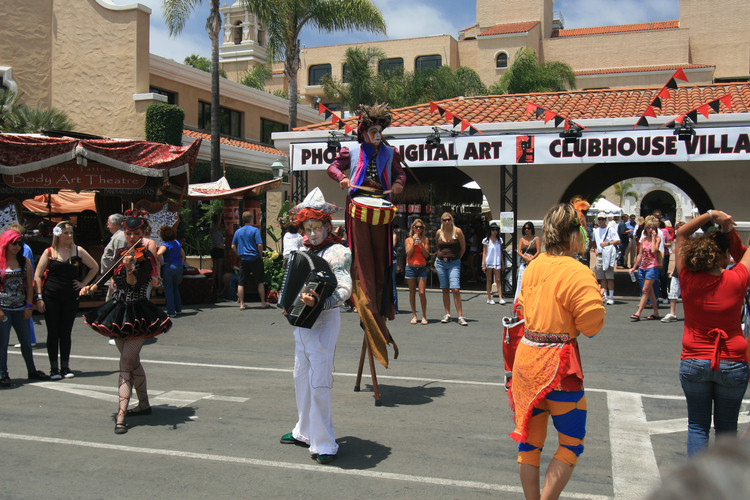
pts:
pixel 366 348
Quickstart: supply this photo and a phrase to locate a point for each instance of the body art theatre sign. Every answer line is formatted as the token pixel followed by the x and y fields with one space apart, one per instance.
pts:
pixel 720 144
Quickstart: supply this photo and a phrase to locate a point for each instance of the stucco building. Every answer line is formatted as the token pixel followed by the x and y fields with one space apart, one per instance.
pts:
pixel 634 55
pixel 91 60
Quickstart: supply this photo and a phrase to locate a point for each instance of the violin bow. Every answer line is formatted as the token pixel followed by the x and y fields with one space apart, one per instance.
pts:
pixel 106 274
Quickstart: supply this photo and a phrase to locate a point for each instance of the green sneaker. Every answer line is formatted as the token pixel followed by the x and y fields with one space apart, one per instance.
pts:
pixel 324 459
pixel 289 439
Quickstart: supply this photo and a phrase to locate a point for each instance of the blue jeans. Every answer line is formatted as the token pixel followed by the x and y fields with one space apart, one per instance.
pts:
pixel 707 391
pixel 21 325
pixel 449 273
pixel 170 275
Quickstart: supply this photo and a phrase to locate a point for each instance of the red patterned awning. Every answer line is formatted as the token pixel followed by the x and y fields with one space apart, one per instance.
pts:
pixel 27 153
pixel 220 189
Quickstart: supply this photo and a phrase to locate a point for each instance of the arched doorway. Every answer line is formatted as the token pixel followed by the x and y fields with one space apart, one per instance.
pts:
pixel 659 200
pixel 597 178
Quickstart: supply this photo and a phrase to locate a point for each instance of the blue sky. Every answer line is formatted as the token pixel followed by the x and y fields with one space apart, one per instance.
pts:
pixel 411 18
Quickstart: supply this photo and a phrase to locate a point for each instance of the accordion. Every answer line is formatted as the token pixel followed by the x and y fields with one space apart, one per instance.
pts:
pixel 305 272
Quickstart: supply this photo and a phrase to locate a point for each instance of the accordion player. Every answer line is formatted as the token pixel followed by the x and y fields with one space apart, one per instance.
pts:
pixel 305 273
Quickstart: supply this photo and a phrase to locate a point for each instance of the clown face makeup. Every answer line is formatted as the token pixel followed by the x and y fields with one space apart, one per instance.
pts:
pixel 373 135
pixel 316 231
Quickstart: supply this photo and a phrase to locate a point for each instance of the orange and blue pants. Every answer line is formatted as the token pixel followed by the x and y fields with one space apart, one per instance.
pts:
pixel 568 410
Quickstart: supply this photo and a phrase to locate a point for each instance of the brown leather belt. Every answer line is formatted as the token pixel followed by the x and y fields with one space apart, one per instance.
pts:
pixel 546 338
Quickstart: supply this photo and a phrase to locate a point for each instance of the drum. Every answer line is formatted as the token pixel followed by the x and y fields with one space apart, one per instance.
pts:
pixel 371 210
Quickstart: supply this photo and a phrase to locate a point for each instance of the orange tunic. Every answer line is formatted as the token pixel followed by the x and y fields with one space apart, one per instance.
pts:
pixel 558 295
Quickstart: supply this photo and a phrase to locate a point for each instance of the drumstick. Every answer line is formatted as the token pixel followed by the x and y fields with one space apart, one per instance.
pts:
pixel 372 189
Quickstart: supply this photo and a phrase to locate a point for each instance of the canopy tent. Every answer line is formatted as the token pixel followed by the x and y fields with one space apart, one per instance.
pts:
pixel 606 206
pixel 50 163
pixel 220 189
pixel 64 202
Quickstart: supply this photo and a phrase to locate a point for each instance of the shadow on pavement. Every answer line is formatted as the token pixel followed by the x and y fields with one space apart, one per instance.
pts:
pixel 395 395
pixel 359 454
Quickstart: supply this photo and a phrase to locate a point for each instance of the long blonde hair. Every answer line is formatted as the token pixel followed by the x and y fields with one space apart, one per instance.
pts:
pixel 56 239
pixel 414 223
pixel 440 234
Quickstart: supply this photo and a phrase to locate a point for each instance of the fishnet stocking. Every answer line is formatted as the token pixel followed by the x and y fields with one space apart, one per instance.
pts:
pixel 130 368
pixel 139 383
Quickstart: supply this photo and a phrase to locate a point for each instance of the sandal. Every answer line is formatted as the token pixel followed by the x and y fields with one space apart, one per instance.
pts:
pixel 413 320
pixel 121 428
pixel 654 316
pixel 635 317
pixel 424 321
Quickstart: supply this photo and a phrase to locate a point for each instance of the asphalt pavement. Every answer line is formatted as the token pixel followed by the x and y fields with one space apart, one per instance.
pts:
pixel 221 385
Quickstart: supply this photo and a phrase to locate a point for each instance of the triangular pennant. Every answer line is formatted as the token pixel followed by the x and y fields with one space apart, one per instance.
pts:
pixel 335 119
pixel 664 93
pixel 442 110
pixel 693 115
pixel 472 131
pixel 328 113
pixel 671 84
pixel 642 122
pixel 715 105
pixel 464 125
pixel 680 119
pixel 656 103
pixel 448 116
pixel 348 129
pixel 456 120
pixel 558 120
pixel 649 112
pixel 680 74
pixel 539 111
pixel 567 124
pixel 530 107
pixel 548 115
pixel 433 107
pixel 321 108
pixel 726 101
pixel 703 110
pixel 341 124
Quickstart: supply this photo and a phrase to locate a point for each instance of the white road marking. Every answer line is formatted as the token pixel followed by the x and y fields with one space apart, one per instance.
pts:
pixel 634 468
pixel 434 481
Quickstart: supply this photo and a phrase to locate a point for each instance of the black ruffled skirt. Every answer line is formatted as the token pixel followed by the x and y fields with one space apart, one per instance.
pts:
pixel 137 320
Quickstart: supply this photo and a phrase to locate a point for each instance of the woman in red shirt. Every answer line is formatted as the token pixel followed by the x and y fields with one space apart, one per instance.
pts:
pixel 714 368
pixel 417 253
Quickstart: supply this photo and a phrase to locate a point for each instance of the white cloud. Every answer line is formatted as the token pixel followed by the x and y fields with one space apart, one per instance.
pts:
pixel 591 13
pixel 415 19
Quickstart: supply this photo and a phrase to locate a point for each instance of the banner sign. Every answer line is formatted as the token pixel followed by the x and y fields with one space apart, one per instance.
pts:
pixel 70 175
pixel 630 146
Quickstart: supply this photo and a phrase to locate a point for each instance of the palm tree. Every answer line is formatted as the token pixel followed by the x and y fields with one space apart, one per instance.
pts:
pixel 16 117
pixel 526 75
pixel 176 14
pixel 623 189
pixel 284 19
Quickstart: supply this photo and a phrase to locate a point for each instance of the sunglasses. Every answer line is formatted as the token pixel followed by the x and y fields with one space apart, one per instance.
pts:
pixel 447 220
pixel 418 227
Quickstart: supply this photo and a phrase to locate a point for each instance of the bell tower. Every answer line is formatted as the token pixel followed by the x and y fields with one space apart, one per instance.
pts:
pixel 244 42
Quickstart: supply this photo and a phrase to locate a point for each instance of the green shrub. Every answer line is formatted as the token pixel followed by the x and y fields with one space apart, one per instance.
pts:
pixel 164 123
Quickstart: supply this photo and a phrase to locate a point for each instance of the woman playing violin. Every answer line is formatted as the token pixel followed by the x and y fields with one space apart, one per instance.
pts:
pixel 129 317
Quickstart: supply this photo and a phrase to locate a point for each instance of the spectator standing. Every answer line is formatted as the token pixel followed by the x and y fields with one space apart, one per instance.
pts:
pixel 29 255
pixel 492 262
pixel 172 258
pixel 528 250
pixel 624 232
pixel 417 253
pixel 58 280
pixel 648 266
pixel 713 366
pixel 249 248
pixel 631 250
pixel 606 241
pixel 116 241
pixel 451 246
pixel 16 303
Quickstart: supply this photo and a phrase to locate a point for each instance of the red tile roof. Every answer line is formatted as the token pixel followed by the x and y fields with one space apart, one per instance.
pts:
pixel 508 28
pixel 576 105
pixel 234 142
pixel 642 69
pixel 621 28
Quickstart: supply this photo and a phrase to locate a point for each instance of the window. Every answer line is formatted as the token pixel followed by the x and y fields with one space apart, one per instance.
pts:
pixel 501 61
pixel 392 64
pixel 317 72
pixel 268 127
pixel 428 62
pixel 237 33
pixel 231 120
pixel 171 96
pixel 345 73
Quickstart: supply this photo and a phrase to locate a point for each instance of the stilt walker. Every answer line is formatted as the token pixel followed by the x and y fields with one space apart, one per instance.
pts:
pixel 374 173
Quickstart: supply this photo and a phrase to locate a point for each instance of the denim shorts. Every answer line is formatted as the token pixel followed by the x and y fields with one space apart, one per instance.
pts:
pixel 649 274
pixel 449 273
pixel 415 272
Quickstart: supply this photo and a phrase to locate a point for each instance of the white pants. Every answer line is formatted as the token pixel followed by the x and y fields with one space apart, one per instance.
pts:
pixel 313 378
pixel 521 269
